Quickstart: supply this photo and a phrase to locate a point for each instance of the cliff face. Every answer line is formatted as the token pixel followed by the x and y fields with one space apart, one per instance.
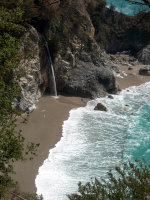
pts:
pixel 33 70
pixel 79 65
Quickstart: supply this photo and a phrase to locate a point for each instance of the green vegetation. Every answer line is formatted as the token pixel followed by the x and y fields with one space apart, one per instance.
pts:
pixel 108 23
pixel 129 182
pixel 12 143
pixel 30 8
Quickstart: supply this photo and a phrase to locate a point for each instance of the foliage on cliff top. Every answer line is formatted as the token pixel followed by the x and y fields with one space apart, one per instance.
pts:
pixel 128 182
pixel 12 144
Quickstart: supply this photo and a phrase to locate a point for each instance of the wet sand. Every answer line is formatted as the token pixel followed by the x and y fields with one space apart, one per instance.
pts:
pixel 44 126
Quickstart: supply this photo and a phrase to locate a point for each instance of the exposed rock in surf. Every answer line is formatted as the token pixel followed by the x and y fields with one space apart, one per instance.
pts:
pixel 110 97
pixel 100 107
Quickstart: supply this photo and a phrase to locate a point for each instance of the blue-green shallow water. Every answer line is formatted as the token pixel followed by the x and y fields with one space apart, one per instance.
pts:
pixel 138 137
pixel 94 142
pixel 125 7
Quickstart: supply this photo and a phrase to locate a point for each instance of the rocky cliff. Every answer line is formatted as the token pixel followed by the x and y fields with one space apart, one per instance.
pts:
pixel 81 67
pixel 33 70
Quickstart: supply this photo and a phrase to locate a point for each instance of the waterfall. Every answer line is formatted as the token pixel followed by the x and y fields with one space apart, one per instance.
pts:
pixel 51 66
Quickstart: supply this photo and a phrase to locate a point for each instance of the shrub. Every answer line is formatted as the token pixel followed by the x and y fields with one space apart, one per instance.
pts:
pixel 128 182
pixel 12 145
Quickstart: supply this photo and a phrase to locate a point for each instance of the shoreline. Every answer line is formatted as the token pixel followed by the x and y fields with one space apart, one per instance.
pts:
pixel 44 126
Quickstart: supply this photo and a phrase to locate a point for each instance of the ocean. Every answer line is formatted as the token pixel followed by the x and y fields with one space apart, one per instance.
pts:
pixel 125 7
pixel 94 142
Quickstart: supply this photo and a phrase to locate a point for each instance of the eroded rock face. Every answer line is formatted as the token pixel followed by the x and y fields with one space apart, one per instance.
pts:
pixel 144 55
pixel 33 70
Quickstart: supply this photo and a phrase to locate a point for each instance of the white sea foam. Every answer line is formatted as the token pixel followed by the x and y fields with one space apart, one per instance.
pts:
pixel 92 143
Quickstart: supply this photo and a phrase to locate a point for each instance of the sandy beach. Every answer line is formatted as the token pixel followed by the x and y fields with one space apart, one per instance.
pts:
pixel 131 77
pixel 45 126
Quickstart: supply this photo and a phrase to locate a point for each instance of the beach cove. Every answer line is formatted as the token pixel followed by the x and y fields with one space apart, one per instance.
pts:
pixel 45 127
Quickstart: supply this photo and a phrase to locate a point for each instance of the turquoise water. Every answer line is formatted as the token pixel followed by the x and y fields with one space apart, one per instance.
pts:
pixel 138 137
pixel 125 7
pixel 94 142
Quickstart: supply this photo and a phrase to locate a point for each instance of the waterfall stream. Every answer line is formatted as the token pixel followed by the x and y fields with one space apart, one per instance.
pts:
pixel 51 66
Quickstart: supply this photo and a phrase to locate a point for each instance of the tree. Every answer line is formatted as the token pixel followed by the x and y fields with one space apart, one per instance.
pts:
pixel 129 182
pixel 30 8
pixel 12 143
pixel 142 2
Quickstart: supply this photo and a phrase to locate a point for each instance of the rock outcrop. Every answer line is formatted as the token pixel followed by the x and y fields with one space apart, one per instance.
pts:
pixel 145 70
pixel 144 55
pixel 100 107
pixel 85 76
pixel 33 70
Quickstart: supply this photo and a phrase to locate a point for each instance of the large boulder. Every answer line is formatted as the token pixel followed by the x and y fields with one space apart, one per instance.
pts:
pixel 145 70
pixel 100 107
pixel 87 77
pixel 144 55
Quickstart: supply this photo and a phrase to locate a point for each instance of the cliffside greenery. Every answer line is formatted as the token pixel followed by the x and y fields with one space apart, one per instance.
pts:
pixel 128 182
pixel 30 8
pixel 12 143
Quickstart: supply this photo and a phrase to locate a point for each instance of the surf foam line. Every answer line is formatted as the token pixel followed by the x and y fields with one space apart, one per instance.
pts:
pixel 92 143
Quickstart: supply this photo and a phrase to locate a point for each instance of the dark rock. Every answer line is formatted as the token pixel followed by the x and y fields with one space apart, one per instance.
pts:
pixel 100 107
pixel 130 68
pixel 144 55
pixel 110 97
pixel 145 71
pixel 86 79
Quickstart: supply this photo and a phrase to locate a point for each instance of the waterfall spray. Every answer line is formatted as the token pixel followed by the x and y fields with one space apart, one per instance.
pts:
pixel 51 66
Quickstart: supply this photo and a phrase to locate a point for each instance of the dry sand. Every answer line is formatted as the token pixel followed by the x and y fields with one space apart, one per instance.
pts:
pixel 45 127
